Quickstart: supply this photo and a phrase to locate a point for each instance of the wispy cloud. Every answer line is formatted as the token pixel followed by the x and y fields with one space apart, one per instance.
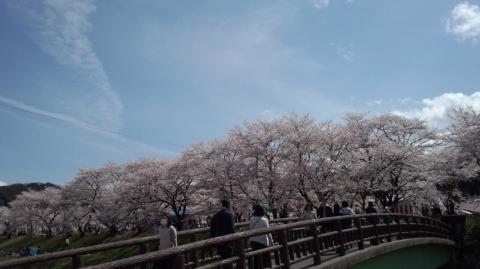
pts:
pixel 464 22
pixel 3 183
pixel 19 106
pixel 320 4
pixel 60 28
pixel 247 46
pixel 346 53
pixel 375 102
pixel 435 110
pixel 405 101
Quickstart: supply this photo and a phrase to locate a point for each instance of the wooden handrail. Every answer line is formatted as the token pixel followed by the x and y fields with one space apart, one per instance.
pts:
pixel 77 252
pixel 443 231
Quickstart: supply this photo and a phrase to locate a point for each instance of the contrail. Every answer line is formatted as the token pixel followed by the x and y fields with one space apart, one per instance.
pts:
pixel 16 105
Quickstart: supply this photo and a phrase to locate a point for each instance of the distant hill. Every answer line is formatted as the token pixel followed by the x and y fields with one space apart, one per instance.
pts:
pixel 9 192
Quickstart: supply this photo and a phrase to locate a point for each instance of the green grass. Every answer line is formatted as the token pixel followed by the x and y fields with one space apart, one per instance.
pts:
pixel 57 243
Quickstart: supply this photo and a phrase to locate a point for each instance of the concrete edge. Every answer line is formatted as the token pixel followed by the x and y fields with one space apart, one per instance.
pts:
pixel 360 256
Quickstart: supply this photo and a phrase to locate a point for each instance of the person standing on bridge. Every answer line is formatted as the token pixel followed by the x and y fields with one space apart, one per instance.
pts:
pixel 372 210
pixel 325 211
pixel 222 223
pixel 308 212
pixel 167 239
pixel 345 210
pixel 258 221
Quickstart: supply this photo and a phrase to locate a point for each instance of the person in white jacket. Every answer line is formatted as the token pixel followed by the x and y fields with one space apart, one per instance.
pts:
pixel 258 221
pixel 167 235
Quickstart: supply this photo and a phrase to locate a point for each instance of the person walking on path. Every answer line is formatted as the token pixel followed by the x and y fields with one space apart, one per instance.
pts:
pixel 258 221
pixel 222 223
pixel 167 239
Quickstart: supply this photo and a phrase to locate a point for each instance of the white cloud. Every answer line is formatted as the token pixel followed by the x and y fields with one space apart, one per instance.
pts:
pixel 320 4
pixel 375 102
pixel 345 53
pixel 3 183
pixel 464 22
pixel 13 104
pixel 435 110
pixel 60 28
pixel 405 101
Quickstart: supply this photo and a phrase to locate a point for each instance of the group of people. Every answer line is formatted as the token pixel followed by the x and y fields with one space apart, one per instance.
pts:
pixel 325 211
pixel 222 223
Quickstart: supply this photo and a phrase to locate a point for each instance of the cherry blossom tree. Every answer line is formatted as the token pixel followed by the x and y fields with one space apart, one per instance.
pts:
pixel 163 184
pixel 281 163
pixel 464 142
pixel 38 207
pixel 387 156
pixel 6 223
pixel 264 156
pixel 94 191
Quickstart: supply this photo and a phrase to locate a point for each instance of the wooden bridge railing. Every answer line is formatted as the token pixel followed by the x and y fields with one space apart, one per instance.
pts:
pixel 296 242
pixel 142 243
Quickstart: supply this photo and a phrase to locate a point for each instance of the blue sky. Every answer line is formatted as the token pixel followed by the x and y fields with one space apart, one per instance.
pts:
pixel 88 82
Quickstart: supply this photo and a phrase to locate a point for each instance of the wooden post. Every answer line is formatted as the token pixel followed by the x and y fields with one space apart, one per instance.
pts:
pixel 284 254
pixel 193 238
pixel 290 237
pixel 389 229
pixel 76 262
pixel 143 248
pixel 375 230
pixel 398 227
pixel 417 230
pixel 297 246
pixel 276 256
pixel 341 249
pixel 360 233
pixel 240 252
pixel 179 262
pixel 316 246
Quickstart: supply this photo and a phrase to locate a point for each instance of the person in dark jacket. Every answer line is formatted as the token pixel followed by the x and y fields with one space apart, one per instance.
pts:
pixel 325 211
pixel 370 208
pixel 336 210
pixel 222 223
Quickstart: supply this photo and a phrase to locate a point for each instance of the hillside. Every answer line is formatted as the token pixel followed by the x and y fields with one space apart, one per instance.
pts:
pixel 9 192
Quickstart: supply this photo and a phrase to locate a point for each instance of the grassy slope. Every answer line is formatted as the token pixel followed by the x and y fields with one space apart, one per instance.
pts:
pixel 57 243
